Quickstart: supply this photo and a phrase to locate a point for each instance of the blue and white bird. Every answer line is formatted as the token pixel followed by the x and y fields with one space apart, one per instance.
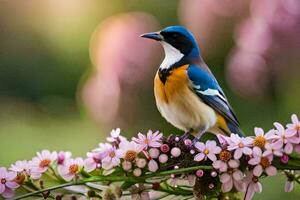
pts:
pixel 186 92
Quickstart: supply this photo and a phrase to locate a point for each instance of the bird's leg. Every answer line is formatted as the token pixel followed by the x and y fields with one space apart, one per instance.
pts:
pixel 185 135
pixel 199 135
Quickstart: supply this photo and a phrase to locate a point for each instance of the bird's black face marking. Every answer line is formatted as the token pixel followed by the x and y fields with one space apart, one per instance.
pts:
pixel 163 75
pixel 178 40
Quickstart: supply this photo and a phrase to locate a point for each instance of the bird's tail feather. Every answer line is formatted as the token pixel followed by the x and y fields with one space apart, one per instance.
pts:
pixel 235 129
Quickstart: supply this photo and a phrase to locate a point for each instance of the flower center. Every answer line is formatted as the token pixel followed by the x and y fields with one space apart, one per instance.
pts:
pixel 130 155
pixel 259 141
pixel 112 154
pixel 241 145
pixel 265 162
pixel 254 179
pixel 96 160
pixel 206 151
pixel 73 169
pixel 225 155
pixel 230 171
pixel 146 141
pixel 298 128
pixel 45 163
pixel 20 178
pixel 3 180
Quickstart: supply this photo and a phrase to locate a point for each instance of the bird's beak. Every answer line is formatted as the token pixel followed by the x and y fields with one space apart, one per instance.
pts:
pixel 154 36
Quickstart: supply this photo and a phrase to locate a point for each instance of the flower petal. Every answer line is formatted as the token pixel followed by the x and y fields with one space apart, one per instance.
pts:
pixel 258 170
pixel 289 185
pixel 258 187
pixel 2 188
pixel 227 186
pixel 238 154
pixel 271 171
pixel 199 157
pixel 238 175
pixel 288 149
pixel 8 193
pixel 225 177
pixel 233 163
pixel 258 131
pixel 247 151
pixel 249 192
pixel 239 186
pixel 212 156
pixel 200 146
pixel 12 184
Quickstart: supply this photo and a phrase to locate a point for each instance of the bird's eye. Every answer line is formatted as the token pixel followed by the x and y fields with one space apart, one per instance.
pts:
pixel 175 36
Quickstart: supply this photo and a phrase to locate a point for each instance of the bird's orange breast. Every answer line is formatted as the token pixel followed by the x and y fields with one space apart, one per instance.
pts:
pixel 175 82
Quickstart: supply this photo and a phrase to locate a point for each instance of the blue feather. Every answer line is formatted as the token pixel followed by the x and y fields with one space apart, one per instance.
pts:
pixel 209 91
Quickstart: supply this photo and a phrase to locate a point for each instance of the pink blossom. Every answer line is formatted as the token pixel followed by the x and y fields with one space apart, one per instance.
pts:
pixel 261 138
pixel 274 148
pixel 107 42
pixel 26 167
pixel 224 140
pixel 7 183
pixel 253 185
pixel 115 136
pixel 287 138
pixel 233 177
pixel 240 145
pixel 151 140
pixel 43 160
pixel 129 150
pixel 111 158
pixel 92 161
pixel 294 127
pixel 207 150
pixel 71 168
pixel 224 158
pixel 261 163
pixel 62 156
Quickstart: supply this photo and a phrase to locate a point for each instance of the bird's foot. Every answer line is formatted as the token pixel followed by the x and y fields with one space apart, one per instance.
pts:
pixel 198 136
pixel 185 136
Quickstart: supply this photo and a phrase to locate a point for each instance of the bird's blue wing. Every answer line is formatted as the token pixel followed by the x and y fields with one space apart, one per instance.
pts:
pixel 207 88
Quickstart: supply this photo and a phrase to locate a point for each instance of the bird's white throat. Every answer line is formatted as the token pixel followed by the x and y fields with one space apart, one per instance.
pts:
pixel 172 55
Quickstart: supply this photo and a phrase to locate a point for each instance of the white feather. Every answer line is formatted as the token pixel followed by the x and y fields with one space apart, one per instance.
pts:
pixel 212 92
pixel 172 55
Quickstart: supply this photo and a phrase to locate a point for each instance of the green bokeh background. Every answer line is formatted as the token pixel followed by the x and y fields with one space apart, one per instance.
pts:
pixel 40 72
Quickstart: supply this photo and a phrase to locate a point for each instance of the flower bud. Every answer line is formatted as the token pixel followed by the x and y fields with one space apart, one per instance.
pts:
pixel 188 142
pixel 289 186
pixel 137 172
pixel 154 153
pixel 164 148
pixel 163 158
pixel 199 173
pixel 213 174
pixel 175 152
pixel 284 159
pixel 126 165
pixel 141 162
pixel 152 166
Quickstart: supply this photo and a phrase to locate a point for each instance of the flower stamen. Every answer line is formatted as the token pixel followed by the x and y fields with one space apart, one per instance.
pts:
pixel 225 155
pixel 259 141
pixel 130 155
pixel 73 169
pixel 45 163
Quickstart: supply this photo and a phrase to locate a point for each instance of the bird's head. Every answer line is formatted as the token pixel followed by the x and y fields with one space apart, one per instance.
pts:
pixel 176 40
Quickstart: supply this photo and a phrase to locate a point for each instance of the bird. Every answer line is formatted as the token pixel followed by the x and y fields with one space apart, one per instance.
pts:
pixel 186 92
